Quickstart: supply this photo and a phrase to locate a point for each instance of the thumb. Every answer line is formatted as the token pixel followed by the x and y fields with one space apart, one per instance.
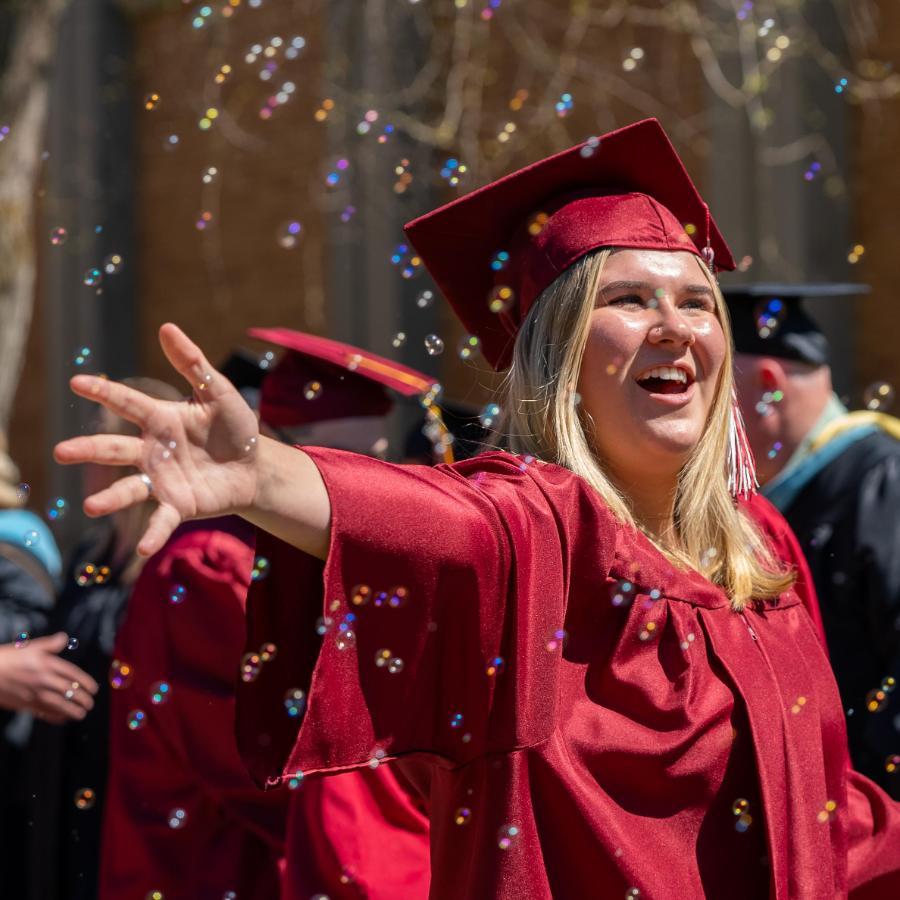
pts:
pixel 51 643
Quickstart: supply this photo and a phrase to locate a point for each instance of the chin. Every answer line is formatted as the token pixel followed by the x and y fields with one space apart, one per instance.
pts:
pixel 677 442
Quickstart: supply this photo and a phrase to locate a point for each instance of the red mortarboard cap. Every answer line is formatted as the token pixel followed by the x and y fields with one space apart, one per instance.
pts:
pixel 351 382
pixel 494 250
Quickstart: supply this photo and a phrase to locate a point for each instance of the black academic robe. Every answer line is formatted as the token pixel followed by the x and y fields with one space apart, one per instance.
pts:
pixel 26 601
pixel 63 760
pixel 847 518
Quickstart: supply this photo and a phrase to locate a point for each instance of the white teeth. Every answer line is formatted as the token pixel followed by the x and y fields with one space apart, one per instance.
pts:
pixel 666 373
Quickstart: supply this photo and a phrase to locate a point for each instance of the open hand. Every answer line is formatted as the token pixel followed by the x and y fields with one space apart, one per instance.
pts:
pixel 196 458
pixel 35 679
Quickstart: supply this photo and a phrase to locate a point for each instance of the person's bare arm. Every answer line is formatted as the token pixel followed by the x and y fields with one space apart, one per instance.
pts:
pixel 203 458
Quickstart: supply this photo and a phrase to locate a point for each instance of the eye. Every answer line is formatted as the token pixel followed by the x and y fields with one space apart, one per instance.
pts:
pixel 627 300
pixel 700 303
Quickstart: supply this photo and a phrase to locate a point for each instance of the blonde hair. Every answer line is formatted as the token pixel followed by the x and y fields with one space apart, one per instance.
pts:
pixel 541 417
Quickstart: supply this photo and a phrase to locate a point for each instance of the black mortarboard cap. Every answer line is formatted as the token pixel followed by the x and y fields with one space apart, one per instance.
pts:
pixel 769 319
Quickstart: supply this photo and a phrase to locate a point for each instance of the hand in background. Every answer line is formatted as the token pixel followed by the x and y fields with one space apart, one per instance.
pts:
pixel 34 679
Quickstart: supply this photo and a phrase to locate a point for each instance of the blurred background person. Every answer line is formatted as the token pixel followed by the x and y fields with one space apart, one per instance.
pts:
pixel 183 816
pixel 835 476
pixel 33 681
pixel 67 766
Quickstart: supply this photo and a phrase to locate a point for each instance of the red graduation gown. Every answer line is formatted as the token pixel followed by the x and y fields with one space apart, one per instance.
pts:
pixel 637 736
pixel 231 835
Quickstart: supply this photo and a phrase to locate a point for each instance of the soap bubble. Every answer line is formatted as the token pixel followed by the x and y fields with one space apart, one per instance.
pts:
pixel 120 674
pixel 434 345
pixel 57 509
pixel 159 692
pixel 878 396
pixel 58 236
pixel 768 315
pixel 468 347
pixel 295 702
pixel 489 415
pixel 81 356
pixel 289 235
pixel 260 569
pixel 496 665
pixel 501 298
pixel 85 798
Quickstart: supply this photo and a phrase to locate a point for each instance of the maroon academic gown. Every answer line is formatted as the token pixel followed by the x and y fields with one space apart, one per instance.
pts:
pixel 184 758
pixel 591 719
pixel 182 817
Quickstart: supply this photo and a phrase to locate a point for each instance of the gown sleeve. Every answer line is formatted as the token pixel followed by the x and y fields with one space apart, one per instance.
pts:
pixel 441 605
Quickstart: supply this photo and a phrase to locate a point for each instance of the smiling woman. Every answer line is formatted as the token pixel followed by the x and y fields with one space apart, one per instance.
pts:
pixel 591 708
pixel 622 373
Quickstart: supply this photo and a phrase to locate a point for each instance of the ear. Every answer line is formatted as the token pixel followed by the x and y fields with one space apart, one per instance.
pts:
pixel 770 374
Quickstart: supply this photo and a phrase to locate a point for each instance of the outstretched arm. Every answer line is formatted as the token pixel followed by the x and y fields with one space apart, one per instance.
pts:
pixel 200 458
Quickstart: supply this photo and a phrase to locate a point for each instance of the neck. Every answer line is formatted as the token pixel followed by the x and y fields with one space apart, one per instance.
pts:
pixel 652 501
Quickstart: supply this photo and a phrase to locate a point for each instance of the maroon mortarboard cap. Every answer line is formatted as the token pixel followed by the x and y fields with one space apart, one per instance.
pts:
pixel 494 250
pixel 319 379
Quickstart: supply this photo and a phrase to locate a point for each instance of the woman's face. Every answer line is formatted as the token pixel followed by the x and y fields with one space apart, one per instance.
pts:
pixel 652 360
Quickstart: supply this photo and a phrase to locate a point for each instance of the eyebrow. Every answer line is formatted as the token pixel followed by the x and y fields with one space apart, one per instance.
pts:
pixel 645 286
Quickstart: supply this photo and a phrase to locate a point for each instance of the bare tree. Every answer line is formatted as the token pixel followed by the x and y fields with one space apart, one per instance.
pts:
pixel 24 93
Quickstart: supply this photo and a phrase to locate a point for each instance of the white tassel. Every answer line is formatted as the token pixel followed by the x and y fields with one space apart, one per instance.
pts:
pixel 741 466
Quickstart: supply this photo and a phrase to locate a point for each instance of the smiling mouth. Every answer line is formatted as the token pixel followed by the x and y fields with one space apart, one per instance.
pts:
pixel 665 380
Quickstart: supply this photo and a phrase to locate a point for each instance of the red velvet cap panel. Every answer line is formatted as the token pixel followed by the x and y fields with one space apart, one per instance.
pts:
pixel 628 188
pixel 352 382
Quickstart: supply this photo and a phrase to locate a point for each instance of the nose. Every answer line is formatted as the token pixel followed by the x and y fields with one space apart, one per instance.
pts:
pixel 671 327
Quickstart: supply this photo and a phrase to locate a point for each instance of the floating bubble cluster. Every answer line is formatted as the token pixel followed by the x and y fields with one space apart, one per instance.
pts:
pixel 769 314
pixel 120 674
pixel 88 573
pixel 260 569
pixel 489 415
pixel 57 509
pixel 496 665
pixel 160 691
pixel 507 836
pixel 462 816
pixel 295 702
pixel 743 820
pixel 85 798
pixel 879 396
